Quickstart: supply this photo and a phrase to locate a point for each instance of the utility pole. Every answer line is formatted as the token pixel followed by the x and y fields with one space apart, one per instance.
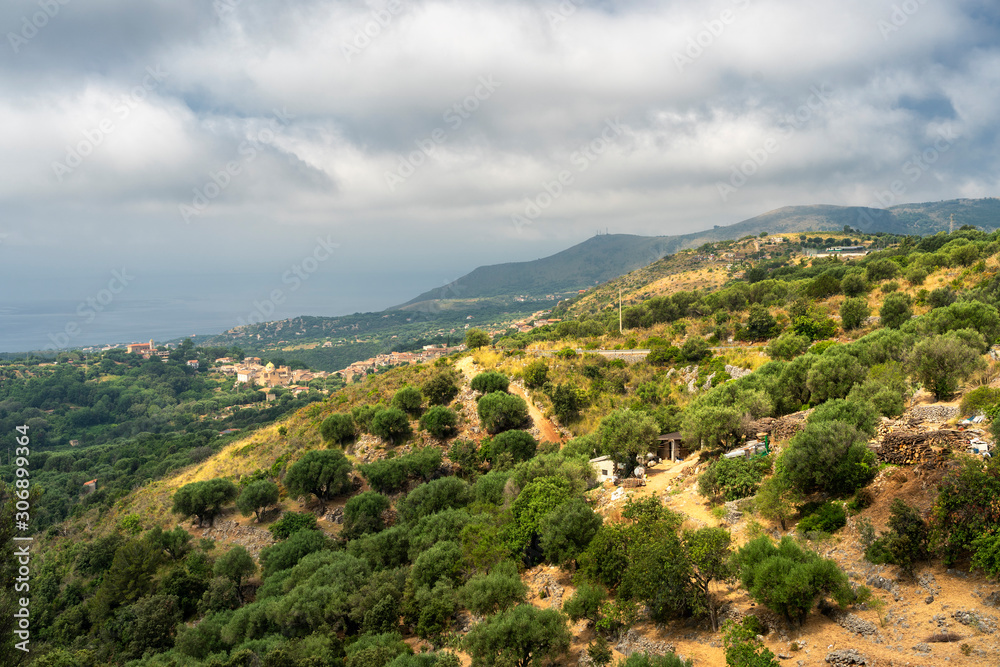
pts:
pixel 620 309
pixel 951 224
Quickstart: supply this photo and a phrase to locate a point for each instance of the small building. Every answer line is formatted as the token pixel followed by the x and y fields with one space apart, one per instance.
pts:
pixel 193 363
pixel 74 443
pixel 89 487
pixel 140 348
pixel 671 447
pixel 604 468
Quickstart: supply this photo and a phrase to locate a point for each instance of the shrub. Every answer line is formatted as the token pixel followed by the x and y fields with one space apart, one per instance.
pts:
pixel 363 514
pixel 291 523
pixel 827 518
pixel 859 414
pixel 788 579
pixel 439 421
pixel 536 373
pixel 668 659
pixel 518 445
pixel 501 589
pixel 338 428
pixel 743 648
pixel 441 388
pixel 391 475
pixel 500 411
pixel 853 313
pixel 897 310
pixel 391 424
pixel 518 636
pixel 586 602
pixel 409 400
pixel 830 456
pixel 787 346
pixel 476 338
pixel 906 541
pixel 489 382
pixel 432 497
pixel 734 478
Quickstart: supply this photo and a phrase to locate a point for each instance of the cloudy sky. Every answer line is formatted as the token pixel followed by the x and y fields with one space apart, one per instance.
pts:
pixel 352 154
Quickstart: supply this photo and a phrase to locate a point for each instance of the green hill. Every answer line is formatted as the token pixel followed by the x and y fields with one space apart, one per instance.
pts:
pixel 602 258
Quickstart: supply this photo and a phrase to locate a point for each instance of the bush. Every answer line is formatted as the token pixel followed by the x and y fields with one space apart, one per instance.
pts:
pixel 291 523
pixel 338 428
pixel 897 310
pixel 518 445
pixel 787 346
pixel 289 552
pixel 489 382
pixel 827 518
pixel 586 602
pixel 829 456
pixel 363 514
pixel 439 421
pixel 391 475
pixel 906 541
pixel 853 313
pixel 743 648
pixel 654 660
pixel 854 284
pixel 432 497
pixel 391 424
pixel 881 269
pixel 409 400
pixel 501 589
pixel 441 388
pixel 536 373
pixel 788 579
pixel 500 411
pixel 734 478
pixel 567 530
pixel 859 414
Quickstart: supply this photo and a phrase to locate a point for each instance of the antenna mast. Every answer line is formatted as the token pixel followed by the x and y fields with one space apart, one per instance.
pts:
pixel 951 224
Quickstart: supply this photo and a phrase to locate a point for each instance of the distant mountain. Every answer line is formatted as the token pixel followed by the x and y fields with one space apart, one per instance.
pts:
pixel 596 260
pixel 602 258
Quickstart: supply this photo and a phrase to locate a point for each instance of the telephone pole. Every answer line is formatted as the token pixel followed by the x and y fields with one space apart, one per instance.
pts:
pixel 620 309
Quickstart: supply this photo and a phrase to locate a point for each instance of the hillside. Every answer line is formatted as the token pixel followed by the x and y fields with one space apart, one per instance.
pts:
pixel 494 297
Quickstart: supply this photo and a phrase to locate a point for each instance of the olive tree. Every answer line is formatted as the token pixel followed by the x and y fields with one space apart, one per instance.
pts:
pixel 323 473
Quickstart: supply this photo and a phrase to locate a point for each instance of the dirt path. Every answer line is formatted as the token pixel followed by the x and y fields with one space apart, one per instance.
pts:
pixel 547 430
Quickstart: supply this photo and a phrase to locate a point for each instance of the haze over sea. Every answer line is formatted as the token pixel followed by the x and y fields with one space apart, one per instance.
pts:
pixel 165 309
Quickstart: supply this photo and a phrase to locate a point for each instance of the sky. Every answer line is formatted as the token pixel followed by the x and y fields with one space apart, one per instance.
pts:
pixel 205 160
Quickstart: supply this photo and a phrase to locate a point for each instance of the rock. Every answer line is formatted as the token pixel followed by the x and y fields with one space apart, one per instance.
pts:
pixel 850 622
pixel 929 599
pixel 993 599
pixel 982 622
pixel 633 642
pixel 845 658
pixel 878 581
pixel 922 648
